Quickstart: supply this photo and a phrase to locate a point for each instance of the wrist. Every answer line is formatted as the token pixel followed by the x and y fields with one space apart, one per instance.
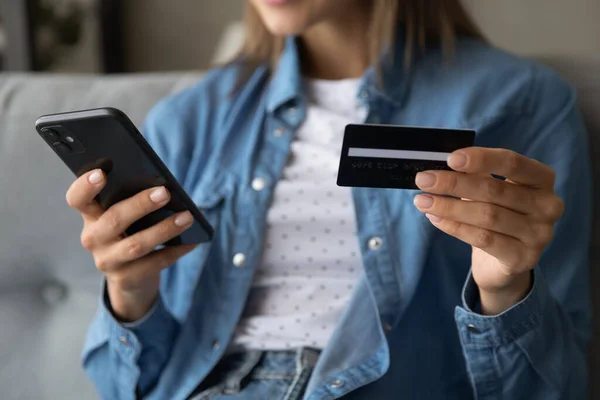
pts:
pixel 128 306
pixel 494 302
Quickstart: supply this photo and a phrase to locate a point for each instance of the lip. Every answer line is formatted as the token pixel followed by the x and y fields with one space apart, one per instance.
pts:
pixel 277 2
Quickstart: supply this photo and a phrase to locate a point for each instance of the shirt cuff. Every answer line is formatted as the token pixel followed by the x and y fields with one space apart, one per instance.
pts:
pixel 484 330
pixel 129 339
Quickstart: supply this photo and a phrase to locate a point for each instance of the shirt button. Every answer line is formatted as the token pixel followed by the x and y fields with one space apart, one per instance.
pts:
pixel 338 383
pixel 292 110
pixel 124 341
pixel 387 328
pixel 375 243
pixel 259 184
pixel 216 344
pixel 239 260
pixel 279 132
pixel 473 329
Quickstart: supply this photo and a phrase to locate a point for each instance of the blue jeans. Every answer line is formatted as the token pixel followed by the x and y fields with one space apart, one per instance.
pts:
pixel 273 375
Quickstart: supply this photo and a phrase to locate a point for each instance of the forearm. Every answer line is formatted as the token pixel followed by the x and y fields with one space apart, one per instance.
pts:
pixel 496 302
pixel 530 351
pixel 130 306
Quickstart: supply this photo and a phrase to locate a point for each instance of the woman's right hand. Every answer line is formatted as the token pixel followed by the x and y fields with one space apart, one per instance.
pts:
pixel 131 265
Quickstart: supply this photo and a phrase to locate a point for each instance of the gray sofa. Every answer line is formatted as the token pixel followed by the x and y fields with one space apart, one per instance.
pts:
pixel 48 284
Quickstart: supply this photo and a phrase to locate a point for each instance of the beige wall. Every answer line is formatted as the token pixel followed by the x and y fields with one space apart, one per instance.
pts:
pixel 183 34
pixel 541 27
pixel 175 34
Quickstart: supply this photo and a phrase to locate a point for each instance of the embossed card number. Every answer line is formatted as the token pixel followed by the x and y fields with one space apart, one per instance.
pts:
pixel 386 156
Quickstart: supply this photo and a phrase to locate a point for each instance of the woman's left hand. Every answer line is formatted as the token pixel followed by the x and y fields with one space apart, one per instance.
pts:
pixel 507 223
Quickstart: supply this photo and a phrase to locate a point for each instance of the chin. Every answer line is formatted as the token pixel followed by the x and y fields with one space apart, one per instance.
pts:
pixel 285 27
pixel 290 17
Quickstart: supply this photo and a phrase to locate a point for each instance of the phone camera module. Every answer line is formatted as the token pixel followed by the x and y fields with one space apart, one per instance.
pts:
pixel 62 148
pixel 50 135
pixel 64 140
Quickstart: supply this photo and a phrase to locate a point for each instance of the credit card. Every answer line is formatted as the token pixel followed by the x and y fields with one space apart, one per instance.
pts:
pixel 387 156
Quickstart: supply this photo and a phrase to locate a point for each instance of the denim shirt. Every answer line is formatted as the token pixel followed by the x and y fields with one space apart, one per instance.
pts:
pixel 411 329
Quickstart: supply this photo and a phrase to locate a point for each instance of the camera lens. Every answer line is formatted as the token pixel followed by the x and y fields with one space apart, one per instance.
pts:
pixel 62 148
pixel 50 135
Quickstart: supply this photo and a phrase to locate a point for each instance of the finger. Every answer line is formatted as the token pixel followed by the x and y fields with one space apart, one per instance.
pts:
pixel 521 199
pixel 512 254
pixel 144 242
pixel 83 191
pixel 121 215
pixel 164 258
pixel 131 274
pixel 502 162
pixel 483 215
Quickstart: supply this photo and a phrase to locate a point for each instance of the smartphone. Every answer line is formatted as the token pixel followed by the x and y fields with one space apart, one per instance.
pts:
pixel 106 138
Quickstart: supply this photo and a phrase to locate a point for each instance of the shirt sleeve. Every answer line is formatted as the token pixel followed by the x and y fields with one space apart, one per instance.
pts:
pixel 130 359
pixel 536 349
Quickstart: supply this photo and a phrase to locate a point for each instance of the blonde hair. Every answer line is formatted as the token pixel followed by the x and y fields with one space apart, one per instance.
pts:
pixel 425 21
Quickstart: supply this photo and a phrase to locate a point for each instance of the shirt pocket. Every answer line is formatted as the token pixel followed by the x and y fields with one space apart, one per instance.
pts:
pixel 210 198
pixel 211 207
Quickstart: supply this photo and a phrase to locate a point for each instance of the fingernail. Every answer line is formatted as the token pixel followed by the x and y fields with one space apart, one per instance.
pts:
pixel 159 195
pixel 457 160
pixel 96 177
pixel 425 179
pixel 423 201
pixel 433 218
pixel 183 219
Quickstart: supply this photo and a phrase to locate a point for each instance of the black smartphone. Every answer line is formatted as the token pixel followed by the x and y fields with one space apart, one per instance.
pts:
pixel 106 138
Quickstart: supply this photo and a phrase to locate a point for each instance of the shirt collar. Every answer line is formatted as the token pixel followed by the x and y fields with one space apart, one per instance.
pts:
pixel 286 83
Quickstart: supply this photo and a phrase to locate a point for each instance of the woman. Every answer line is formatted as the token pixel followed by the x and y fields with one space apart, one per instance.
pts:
pixel 313 291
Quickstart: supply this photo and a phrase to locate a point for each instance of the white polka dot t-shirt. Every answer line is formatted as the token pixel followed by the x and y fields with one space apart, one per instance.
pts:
pixel 311 260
